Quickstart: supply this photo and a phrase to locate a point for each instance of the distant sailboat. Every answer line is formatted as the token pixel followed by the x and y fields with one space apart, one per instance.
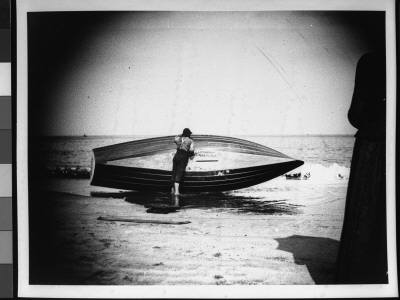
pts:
pixel 220 164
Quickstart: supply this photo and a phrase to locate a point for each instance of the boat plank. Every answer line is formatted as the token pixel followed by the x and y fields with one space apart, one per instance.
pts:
pixel 135 220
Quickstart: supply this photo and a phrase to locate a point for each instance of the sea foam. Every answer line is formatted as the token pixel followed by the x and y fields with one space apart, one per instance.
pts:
pixel 319 172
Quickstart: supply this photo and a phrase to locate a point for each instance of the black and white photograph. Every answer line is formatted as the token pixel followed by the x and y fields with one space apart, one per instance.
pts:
pixel 240 148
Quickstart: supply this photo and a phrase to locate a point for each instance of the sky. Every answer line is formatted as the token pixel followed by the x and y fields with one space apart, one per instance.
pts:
pixel 227 73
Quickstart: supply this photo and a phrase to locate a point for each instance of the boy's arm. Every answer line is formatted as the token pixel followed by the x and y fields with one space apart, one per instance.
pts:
pixel 191 150
pixel 177 139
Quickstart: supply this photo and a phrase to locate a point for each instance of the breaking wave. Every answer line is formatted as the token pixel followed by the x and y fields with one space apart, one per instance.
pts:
pixel 319 172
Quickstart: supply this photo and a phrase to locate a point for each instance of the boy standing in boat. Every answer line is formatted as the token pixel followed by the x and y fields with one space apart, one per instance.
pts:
pixel 184 151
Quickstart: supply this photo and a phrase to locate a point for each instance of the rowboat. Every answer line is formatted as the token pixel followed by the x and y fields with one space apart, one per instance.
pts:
pixel 221 164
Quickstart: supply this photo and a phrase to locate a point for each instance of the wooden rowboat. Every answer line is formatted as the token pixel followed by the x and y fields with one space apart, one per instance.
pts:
pixel 220 164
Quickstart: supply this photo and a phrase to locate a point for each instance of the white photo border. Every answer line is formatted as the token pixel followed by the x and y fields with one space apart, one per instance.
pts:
pixel 283 291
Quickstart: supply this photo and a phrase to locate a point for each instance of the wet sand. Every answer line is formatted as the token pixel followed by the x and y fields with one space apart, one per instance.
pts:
pixel 230 240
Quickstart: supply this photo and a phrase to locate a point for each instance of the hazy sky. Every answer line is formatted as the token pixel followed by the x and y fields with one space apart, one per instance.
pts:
pixel 154 73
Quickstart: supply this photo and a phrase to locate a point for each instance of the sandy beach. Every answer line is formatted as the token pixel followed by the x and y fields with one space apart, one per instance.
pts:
pixel 230 240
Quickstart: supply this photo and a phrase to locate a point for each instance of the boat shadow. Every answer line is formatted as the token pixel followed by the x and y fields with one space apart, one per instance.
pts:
pixel 215 200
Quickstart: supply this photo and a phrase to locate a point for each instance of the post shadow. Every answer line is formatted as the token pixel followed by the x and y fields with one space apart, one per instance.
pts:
pixel 317 253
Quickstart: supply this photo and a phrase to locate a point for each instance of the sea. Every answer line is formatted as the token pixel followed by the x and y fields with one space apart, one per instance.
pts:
pixel 325 156
pixel 323 178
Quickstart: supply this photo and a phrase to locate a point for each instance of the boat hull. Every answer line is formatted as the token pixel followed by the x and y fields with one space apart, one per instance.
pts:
pixel 158 180
pixel 105 174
